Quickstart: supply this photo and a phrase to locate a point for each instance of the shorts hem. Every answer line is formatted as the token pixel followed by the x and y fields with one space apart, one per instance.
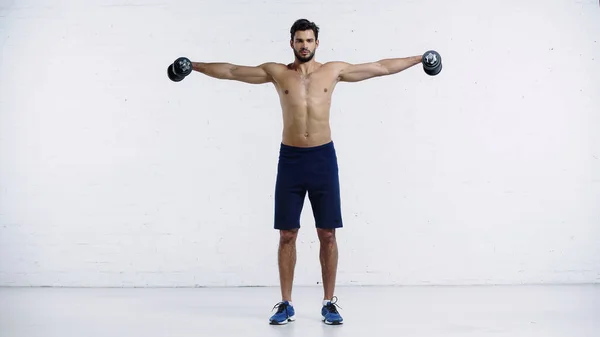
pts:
pixel 286 227
pixel 329 227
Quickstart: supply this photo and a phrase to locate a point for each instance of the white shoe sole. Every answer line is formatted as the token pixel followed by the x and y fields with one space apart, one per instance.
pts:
pixel 290 319
pixel 330 323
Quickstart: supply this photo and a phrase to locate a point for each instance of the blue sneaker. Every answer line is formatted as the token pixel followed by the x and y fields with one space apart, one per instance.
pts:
pixel 285 313
pixel 330 314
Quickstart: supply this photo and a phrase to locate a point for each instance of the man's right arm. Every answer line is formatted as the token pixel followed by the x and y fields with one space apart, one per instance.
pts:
pixel 227 71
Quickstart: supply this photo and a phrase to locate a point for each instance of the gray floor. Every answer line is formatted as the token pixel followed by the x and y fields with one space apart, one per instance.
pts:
pixel 513 311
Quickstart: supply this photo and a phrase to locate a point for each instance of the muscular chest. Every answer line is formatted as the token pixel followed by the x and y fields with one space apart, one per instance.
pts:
pixel 311 87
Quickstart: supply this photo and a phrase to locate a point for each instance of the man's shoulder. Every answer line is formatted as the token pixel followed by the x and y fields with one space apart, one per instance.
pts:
pixel 333 63
pixel 336 66
pixel 273 66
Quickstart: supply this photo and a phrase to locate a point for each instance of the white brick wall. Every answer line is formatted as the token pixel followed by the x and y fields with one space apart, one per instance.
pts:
pixel 111 175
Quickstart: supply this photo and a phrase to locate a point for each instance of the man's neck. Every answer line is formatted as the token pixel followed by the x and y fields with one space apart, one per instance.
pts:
pixel 304 68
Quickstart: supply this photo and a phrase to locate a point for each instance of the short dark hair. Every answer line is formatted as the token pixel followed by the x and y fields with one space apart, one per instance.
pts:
pixel 303 24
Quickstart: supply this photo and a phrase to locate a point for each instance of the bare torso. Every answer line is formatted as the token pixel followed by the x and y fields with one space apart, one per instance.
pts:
pixel 305 102
pixel 305 89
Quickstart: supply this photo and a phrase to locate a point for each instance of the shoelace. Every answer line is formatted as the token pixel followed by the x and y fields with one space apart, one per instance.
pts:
pixel 281 307
pixel 331 306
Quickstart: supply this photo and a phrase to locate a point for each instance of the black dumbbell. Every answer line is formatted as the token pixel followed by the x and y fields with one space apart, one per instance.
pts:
pixel 432 62
pixel 179 69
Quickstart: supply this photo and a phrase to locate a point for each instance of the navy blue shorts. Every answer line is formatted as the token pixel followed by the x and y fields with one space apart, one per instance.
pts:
pixel 312 170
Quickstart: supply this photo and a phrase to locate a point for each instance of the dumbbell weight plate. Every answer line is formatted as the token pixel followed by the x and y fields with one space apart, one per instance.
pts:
pixel 434 71
pixel 183 66
pixel 172 75
pixel 432 63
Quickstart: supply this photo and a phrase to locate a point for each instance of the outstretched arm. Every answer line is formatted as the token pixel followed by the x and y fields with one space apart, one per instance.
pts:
pixel 228 71
pixel 363 71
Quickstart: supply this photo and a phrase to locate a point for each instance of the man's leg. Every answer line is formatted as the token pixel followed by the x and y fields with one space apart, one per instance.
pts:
pixel 287 262
pixel 286 259
pixel 328 256
pixel 290 193
pixel 329 260
pixel 324 195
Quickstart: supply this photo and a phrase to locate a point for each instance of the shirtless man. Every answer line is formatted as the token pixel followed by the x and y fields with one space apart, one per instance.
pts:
pixel 307 158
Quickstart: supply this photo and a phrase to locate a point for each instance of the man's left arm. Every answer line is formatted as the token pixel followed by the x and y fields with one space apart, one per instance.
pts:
pixel 359 72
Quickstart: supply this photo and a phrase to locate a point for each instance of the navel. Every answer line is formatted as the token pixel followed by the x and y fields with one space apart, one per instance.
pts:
pixel 286 92
pixel 325 90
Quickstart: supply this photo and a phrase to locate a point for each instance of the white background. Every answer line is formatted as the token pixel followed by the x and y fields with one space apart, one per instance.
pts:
pixel 112 175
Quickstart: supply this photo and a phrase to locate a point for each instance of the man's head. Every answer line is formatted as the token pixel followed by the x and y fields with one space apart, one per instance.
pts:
pixel 304 39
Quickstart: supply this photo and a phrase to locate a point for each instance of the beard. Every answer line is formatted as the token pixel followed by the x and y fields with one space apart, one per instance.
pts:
pixel 303 58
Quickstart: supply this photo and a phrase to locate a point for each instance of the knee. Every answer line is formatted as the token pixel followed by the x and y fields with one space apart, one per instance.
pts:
pixel 326 236
pixel 287 237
